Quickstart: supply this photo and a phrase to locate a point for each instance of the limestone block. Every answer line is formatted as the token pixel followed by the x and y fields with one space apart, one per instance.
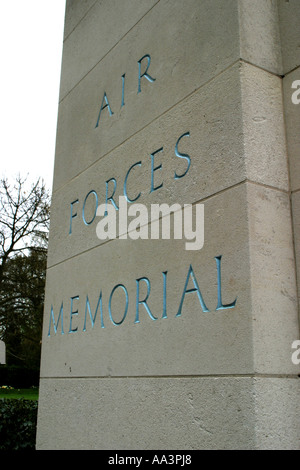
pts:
pixel 156 413
pixel 263 127
pixel 168 413
pixel 273 281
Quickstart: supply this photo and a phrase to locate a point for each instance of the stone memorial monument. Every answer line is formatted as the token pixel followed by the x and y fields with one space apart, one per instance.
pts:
pixel 171 311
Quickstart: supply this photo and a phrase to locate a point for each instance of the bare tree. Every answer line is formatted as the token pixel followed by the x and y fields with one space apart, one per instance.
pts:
pixel 24 217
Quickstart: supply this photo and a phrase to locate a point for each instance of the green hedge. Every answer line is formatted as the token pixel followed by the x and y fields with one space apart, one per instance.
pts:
pixel 19 377
pixel 18 420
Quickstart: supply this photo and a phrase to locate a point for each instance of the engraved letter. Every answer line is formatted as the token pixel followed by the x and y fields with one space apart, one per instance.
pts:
pixel 220 304
pixel 164 315
pixel 125 183
pixel 111 197
pixel 72 215
pixel 154 169
pixel 144 302
pixel 195 289
pixel 126 306
pixel 60 316
pixel 88 308
pixel 73 330
pixel 123 90
pixel 102 107
pixel 95 211
pixel 145 74
pixel 182 155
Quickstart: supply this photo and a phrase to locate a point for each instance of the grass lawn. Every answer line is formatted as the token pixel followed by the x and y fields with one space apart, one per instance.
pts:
pixel 27 393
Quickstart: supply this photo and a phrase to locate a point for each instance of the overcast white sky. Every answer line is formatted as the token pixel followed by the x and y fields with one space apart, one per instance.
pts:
pixel 31 38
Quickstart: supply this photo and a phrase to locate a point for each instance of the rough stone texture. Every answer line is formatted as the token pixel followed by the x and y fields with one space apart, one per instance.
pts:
pixel 277 411
pixel 157 413
pixel 259 34
pixel 263 128
pixel 273 282
pixel 169 413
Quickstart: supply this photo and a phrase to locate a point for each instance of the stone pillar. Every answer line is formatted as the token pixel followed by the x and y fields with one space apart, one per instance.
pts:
pixel 161 343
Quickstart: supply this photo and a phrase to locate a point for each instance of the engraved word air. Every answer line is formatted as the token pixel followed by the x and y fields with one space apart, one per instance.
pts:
pixel 138 302
pixel 141 65
pixel 109 229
